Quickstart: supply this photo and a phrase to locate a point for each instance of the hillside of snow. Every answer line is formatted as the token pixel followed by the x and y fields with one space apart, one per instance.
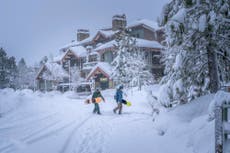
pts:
pixel 35 122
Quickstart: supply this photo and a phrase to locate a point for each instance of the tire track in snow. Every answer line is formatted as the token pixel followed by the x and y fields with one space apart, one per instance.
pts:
pixel 30 140
pixel 49 133
pixel 20 129
pixel 19 125
pixel 69 140
pixel 24 139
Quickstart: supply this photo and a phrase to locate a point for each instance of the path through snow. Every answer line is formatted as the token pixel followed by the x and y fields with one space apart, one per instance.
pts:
pixel 62 123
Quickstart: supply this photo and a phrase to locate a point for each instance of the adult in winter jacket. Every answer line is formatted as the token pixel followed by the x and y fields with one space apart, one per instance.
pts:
pixel 119 98
pixel 97 94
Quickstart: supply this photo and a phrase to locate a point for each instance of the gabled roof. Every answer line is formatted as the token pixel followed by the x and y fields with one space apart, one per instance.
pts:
pixel 56 72
pixel 72 44
pixel 108 33
pixel 147 43
pixel 139 43
pixel 103 67
pixel 106 45
pixel 87 40
pixel 150 24
pixel 105 34
pixel 79 51
pixel 59 57
pixel 62 56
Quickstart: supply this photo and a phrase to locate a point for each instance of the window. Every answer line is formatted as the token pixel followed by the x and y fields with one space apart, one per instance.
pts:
pixel 92 58
pixel 155 60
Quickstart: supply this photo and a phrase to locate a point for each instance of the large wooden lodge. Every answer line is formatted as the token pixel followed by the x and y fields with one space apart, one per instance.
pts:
pixel 94 54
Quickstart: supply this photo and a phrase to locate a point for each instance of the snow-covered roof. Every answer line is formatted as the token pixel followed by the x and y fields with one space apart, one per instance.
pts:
pixel 79 51
pixel 107 33
pixel 106 45
pixel 150 23
pixel 147 43
pixel 72 44
pixel 87 40
pixel 59 57
pixel 94 53
pixel 139 43
pixel 56 72
pixel 104 66
pixel 78 43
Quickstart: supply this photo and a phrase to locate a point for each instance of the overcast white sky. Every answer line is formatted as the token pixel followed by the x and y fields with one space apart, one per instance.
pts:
pixel 35 28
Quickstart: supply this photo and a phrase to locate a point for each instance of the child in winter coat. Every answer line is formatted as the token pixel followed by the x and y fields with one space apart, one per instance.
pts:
pixel 97 94
pixel 119 98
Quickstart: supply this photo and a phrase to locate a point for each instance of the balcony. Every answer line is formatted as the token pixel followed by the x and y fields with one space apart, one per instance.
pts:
pixel 89 65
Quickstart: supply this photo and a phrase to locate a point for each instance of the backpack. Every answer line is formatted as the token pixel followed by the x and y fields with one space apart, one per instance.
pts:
pixel 116 96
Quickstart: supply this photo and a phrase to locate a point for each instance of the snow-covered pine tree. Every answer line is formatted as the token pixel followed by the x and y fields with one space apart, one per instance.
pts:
pixel 121 68
pixel 75 76
pixel 22 73
pixel 220 21
pixel 129 67
pixel 12 72
pixel 141 75
pixel 4 80
pixel 31 76
pixel 191 57
pixel 8 70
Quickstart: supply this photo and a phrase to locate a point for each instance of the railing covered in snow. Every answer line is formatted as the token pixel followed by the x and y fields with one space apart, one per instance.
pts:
pixel 222 126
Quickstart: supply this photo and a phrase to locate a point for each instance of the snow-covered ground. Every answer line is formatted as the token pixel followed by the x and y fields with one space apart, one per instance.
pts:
pixel 34 122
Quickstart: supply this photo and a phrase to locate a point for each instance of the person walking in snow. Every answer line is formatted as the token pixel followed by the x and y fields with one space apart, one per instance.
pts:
pixel 96 99
pixel 119 98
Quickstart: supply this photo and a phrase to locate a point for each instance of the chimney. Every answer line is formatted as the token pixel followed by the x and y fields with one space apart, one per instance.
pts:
pixel 82 34
pixel 119 22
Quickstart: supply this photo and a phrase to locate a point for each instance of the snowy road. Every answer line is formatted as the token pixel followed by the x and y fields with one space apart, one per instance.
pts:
pixel 61 124
pixel 57 123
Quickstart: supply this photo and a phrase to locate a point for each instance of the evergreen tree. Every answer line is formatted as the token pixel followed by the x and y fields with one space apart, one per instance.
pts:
pixel 195 52
pixel 22 74
pixel 75 76
pixel 8 70
pixel 221 36
pixel 43 61
pixel 12 75
pixel 121 72
pixel 30 77
pixel 129 68
pixel 138 68
pixel 26 75
pixel 4 80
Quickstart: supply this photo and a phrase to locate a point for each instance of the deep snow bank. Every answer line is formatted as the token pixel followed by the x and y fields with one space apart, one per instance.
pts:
pixel 188 126
pixel 11 100
pixel 184 128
